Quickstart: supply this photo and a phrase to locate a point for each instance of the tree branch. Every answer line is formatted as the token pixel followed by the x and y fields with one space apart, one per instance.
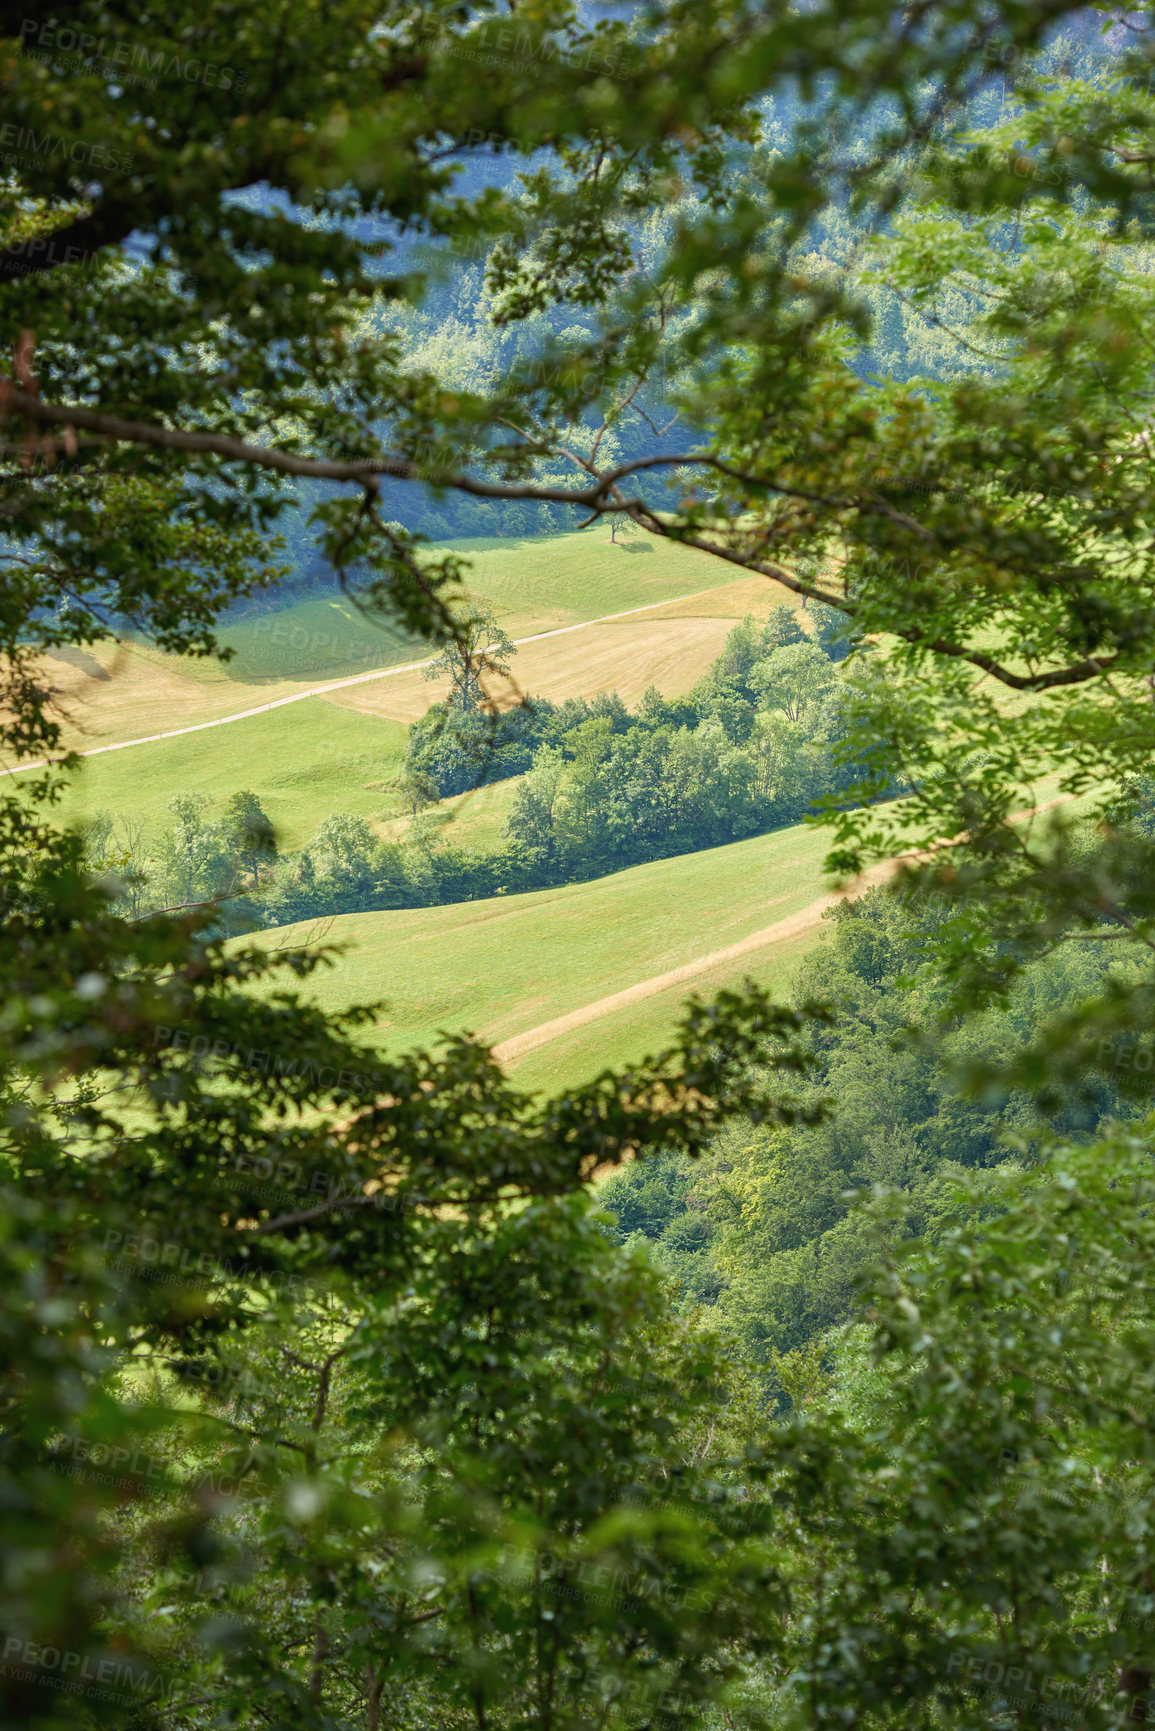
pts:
pixel 306 1214
pixel 74 244
pixel 604 495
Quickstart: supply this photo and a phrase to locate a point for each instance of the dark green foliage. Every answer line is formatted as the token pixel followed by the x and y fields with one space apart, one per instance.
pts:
pixel 459 748
pixel 747 750
pixel 210 288
pixel 835 634
pixel 763 1228
pixel 176 1173
pixel 249 832
pixel 973 1492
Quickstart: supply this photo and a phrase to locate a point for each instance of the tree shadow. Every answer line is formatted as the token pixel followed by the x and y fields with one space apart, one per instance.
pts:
pixel 80 659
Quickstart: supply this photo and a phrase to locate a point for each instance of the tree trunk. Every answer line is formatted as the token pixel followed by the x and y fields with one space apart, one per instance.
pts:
pixel 374 1680
pixel 320 1653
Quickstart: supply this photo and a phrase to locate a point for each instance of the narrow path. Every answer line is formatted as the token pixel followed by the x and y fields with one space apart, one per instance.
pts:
pixel 793 926
pixel 362 679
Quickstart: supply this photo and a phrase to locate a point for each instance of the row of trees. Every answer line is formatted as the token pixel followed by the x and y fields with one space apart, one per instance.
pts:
pixel 752 747
pixel 196 859
pixel 755 745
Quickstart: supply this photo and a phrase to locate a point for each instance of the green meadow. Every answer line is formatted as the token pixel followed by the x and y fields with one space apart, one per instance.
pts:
pixel 531 584
pixel 311 758
pixel 503 966
pixel 500 967
pixel 304 761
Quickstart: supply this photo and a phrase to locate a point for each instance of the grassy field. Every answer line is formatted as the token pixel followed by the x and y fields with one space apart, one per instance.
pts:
pixel 534 584
pixel 304 762
pixel 502 967
pixel 332 753
pixel 625 656
pixel 120 691
pixel 474 820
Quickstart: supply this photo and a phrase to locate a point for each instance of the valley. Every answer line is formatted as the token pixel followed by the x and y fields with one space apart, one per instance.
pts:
pixel 340 749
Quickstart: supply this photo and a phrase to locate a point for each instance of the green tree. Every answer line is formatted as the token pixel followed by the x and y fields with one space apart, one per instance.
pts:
pixel 416 788
pixel 533 815
pixel 249 832
pixel 792 677
pixel 478 648
pixel 971 1510
pixel 621 525
pixel 781 629
pixel 195 859
pixel 344 856
pixel 207 286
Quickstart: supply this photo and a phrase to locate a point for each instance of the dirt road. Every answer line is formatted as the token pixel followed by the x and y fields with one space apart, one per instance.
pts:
pixel 793 926
pixel 807 919
pixel 357 679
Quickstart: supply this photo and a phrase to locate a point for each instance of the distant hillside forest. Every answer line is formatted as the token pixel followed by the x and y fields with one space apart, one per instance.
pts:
pixel 766 1234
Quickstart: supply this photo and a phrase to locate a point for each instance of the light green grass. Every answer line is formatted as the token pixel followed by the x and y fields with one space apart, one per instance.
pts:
pixel 568 578
pixel 632 1033
pixel 501 967
pixel 531 583
pixel 475 820
pixel 312 758
pixel 324 636
pixel 303 761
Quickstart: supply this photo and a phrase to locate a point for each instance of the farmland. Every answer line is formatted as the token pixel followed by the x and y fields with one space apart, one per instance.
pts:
pixel 502 967
pixel 114 691
pixel 339 750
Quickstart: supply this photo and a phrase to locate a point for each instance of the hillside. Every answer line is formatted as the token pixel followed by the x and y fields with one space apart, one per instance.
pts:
pixel 504 967
pixel 337 750
pixel 306 760
pixel 595 955
pixel 118 691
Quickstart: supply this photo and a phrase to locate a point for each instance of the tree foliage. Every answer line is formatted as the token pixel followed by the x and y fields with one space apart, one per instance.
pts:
pixel 209 286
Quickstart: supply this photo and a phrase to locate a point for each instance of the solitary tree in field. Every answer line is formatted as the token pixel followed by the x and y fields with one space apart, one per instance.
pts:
pixel 478 648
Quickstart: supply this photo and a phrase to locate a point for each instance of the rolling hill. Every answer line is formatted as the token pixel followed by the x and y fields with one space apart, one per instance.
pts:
pixel 504 967
pixel 111 692
pixel 563 982
pixel 305 761
pixel 337 750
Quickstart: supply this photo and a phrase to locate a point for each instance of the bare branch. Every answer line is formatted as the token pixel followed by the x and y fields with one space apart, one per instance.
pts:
pixel 304 1215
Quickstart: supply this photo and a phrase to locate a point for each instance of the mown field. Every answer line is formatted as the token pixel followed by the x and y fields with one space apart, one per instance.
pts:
pixel 304 761
pixel 340 751
pixel 119 691
pixel 502 967
pixel 505 967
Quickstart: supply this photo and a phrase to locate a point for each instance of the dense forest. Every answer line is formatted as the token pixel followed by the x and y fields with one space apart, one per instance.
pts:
pixel 764 1233
pixel 800 1373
